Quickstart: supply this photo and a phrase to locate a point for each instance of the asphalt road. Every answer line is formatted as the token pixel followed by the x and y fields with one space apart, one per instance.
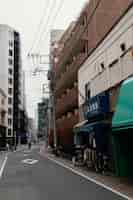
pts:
pixel 46 180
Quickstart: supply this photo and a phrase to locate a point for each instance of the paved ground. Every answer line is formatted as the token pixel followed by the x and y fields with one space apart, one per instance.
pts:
pixel 46 180
pixel 2 157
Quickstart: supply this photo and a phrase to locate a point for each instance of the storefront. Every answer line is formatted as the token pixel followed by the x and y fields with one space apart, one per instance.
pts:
pixel 122 130
pixel 92 134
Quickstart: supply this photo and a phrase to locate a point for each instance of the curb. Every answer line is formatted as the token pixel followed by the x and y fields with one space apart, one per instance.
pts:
pixel 86 176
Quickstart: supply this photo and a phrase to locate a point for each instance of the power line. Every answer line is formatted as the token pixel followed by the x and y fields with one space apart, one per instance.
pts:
pixel 55 17
pixel 47 20
pixel 46 6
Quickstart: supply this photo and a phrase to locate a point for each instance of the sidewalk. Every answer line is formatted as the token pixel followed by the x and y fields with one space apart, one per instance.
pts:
pixel 123 186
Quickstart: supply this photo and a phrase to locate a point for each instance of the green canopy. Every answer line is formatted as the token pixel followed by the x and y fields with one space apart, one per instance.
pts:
pixel 123 117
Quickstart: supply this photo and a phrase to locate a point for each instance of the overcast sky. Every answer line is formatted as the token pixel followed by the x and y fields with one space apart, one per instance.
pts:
pixel 24 16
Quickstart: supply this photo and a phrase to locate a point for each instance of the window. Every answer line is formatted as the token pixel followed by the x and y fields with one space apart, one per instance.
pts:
pixel 9 90
pixel 10 80
pixel 102 66
pixel 10 61
pixel 123 47
pixel 10 52
pixel 9 121
pixel 9 111
pixel 9 131
pixel 10 100
pixel 10 71
pixel 87 91
pixel 10 43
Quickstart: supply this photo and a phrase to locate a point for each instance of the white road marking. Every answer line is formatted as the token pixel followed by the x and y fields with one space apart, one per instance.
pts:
pixel 26 154
pixel 3 166
pixel 90 179
pixel 27 151
pixel 29 161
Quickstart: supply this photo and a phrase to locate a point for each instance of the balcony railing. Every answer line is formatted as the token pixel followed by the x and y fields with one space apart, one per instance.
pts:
pixel 70 44
pixel 67 102
pixel 70 76
pixel 65 128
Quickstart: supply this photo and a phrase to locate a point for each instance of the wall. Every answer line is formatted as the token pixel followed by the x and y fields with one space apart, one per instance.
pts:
pixel 6 35
pixel 108 52
pixel 3 108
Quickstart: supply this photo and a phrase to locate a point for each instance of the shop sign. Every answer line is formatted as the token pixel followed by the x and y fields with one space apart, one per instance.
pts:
pixel 97 105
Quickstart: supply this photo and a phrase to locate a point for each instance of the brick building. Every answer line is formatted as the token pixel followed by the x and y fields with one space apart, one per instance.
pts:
pixel 78 42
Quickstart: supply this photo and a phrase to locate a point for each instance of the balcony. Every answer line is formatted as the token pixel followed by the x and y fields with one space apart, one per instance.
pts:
pixel 71 45
pixel 67 102
pixel 65 128
pixel 70 76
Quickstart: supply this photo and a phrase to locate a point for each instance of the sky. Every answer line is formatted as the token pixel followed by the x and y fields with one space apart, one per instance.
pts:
pixel 34 19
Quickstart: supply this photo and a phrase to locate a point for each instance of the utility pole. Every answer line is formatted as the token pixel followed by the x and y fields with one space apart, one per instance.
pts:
pixel 35 58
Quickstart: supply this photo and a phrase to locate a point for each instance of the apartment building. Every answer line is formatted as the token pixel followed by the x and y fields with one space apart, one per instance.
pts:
pixel 43 118
pixel 3 120
pixel 54 39
pixel 10 72
pixel 72 52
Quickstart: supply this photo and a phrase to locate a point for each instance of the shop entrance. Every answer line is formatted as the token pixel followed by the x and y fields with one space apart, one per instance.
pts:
pixel 123 152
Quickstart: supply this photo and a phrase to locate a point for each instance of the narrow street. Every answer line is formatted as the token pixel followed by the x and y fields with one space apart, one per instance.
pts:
pixel 43 179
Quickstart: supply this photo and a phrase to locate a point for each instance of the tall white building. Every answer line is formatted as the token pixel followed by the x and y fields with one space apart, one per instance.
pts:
pixel 10 75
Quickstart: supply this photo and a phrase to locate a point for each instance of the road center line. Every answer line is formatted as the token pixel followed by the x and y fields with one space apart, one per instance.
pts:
pixel 3 166
pixel 90 179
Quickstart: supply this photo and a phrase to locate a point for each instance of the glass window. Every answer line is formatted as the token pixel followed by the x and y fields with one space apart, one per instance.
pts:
pixel 10 80
pixel 9 131
pixel 10 61
pixel 10 100
pixel 10 43
pixel 9 111
pixel 10 52
pixel 87 91
pixel 9 90
pixel 10 71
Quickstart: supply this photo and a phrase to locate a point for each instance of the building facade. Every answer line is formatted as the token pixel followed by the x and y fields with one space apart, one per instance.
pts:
pixel 110 63
pixel 43 118
pixel 3 119
pixel 72 48
pixel 10 71
pixel 54 39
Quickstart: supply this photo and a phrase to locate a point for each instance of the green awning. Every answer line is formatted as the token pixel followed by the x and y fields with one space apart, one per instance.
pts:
pixel 123 117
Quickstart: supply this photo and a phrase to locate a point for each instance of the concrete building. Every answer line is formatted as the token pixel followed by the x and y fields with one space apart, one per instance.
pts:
pixel 10 76
pixel 3 119
pixel 43 118
pixel 22 111
pixel 110 61
pixel 32 132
